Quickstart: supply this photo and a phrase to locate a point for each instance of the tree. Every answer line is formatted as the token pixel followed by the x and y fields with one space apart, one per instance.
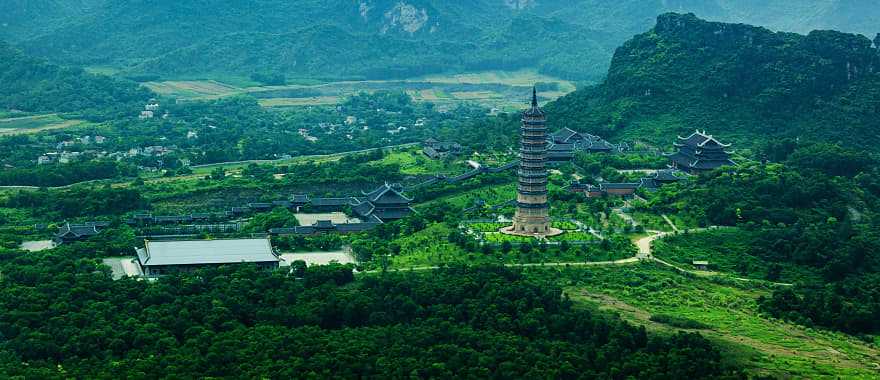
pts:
pixel 218 173
pixel 298 268
pixel 506 247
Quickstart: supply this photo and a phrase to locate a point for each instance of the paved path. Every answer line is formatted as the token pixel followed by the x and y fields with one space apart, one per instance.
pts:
pixel 666 218
pixel 583 227
pixel 122 267
pixel 644 244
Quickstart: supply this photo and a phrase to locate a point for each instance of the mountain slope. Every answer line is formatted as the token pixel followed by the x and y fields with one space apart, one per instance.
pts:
pixel 571 38
pixel 33 85
pixel 741 82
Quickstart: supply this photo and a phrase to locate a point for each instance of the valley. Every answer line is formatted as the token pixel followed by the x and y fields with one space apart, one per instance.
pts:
pixel 499 90
pixel 423 189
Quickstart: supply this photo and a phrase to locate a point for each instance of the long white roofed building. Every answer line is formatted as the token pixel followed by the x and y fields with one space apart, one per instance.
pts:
pixel 165 257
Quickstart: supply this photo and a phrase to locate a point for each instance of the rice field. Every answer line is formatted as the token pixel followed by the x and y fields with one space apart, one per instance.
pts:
pixel 496 89
pixel 194 89
pixel 34 124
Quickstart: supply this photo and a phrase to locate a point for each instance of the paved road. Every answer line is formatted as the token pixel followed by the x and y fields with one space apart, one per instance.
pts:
pixel 123 267
pixel 644 244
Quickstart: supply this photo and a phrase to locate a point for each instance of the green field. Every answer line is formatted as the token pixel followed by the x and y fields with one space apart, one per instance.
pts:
pixel 499 89
pixel 34 124
pixel 413 162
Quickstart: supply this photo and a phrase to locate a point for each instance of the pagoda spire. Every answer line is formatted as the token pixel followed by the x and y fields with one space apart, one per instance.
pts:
pixel 534 96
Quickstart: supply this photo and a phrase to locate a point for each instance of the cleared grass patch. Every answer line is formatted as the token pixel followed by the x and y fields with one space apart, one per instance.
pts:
pixel 201 89
pixel 414 162
pixel 765 346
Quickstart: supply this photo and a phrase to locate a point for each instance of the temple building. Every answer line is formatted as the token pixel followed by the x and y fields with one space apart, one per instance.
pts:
pixel 386 203
pixel 699 153
pixel 660 178
pixel 533 209
pixel 564 143
pixel 164 257
pixel 440 149
pixel 69 233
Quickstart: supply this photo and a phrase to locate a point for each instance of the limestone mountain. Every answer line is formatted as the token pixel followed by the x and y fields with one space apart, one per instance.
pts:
pixel 743 82
pixel 574 39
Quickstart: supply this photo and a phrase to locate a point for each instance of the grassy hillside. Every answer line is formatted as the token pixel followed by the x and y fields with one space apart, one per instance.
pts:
pixel 33 85
pixel 743 83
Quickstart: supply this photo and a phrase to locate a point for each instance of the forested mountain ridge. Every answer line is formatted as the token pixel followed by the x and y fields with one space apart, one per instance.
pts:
pixel 571 39
pixel 327 51
pixel 742 82
pixel 386 38
pixel 33 85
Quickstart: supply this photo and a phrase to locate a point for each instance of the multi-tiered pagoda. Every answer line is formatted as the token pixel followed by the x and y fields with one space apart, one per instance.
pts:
pixel 700 152
pixel 532 208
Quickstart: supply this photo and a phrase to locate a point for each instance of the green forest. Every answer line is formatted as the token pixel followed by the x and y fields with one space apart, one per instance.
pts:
pixel 34 85
pixel 457 322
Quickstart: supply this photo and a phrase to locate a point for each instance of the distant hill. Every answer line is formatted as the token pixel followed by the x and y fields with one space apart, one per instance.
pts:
pixel 574 39
pixel 33 85
pixel 742 83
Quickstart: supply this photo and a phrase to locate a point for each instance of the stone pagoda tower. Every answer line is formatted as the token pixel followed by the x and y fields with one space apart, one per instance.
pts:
pixel 532 207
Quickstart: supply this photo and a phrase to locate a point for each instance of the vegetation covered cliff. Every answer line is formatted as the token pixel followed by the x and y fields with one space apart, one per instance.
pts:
pixel 742 82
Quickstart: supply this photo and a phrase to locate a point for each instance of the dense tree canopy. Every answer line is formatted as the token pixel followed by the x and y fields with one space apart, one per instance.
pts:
pixel 240 322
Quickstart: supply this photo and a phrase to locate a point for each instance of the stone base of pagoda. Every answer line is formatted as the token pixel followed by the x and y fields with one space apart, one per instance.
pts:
pixel 511 230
